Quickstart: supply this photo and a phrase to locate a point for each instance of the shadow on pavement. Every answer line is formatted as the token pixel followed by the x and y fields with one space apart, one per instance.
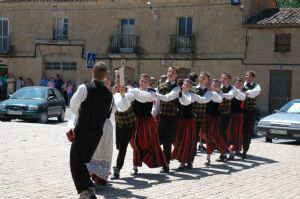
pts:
pixel 287 142
pixel 140 182
pixel 146 180
pixel 225 168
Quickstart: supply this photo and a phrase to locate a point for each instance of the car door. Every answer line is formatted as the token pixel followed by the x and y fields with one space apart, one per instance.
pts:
pixel 60 101
pixel 52 101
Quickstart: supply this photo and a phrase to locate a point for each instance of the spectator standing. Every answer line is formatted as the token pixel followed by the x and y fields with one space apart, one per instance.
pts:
pixel 43 81
pixel 58 82
pixel 20 83
pixel 10 84
pixel 4 87
pixel 69 90
pixel 51 83
pixel 28 82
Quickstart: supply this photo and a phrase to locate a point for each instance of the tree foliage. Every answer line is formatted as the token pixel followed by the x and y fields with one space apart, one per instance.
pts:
pixel 289 3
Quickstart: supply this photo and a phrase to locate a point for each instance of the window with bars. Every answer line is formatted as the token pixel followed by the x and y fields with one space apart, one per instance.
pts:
pixel 60 65
pixel 4 35
pixel 61 28
pixel 283 42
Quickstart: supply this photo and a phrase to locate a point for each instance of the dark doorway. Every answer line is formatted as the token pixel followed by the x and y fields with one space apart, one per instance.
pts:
pixel 280 88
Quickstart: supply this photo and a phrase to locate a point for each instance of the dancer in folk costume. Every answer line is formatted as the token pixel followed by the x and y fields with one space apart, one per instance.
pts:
pixel 212 127
pixel 145 142
pixel 125 123
pixel 90 118
pixel 252 90
pixel 184 145
pixel 235 127
pixel 100 164
pixel 200 109
pixel 168 113
pixel 228 92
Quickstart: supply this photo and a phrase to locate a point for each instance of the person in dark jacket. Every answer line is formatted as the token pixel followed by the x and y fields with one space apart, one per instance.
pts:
pixel 90 118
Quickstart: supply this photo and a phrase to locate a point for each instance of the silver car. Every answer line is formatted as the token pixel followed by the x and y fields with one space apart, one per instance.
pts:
pixel 284 124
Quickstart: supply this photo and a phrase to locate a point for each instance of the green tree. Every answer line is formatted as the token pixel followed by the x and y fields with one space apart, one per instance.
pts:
pixel 289 3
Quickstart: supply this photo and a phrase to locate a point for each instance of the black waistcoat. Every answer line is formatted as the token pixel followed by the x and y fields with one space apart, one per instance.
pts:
pixel 95 109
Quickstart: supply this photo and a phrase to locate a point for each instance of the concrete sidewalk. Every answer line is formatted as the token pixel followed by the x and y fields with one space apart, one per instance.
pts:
pixel 34 163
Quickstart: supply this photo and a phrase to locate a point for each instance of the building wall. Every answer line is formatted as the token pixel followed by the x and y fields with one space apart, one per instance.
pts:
pixel 261 57
pixel 261 46
pixel 222 44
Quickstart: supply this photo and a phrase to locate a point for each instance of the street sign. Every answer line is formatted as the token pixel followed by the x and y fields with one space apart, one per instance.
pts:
pixel 235 2
pixel 90 59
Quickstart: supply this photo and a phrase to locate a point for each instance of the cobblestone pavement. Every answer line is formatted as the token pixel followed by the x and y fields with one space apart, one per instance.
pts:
pixel 34 163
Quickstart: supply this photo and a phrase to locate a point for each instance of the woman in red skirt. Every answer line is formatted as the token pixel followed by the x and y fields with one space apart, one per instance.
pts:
pixel 184 147
pixel 235 127
pixel 212 126
pixel 145 143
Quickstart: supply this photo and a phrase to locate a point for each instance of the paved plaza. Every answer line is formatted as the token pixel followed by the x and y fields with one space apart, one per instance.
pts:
pixel 34 163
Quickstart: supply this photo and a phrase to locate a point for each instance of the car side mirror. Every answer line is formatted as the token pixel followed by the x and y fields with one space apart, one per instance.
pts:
pixel 276 111
pixel 51 97
pixel 9 96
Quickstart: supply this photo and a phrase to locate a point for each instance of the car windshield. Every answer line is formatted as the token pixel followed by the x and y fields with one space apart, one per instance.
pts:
pixel 30 93
pixel 291 107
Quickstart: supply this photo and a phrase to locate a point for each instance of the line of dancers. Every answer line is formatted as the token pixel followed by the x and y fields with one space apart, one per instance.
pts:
pixel 177 114
pixel 165 122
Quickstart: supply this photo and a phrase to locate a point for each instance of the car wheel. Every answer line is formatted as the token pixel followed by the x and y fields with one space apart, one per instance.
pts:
pixel 5 119
pixel 44 118
pixel 269 140
pixel 61 117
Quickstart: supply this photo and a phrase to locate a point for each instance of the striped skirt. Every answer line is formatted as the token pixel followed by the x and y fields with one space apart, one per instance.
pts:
pixel 212 130
pixel 145 144
pixel 235 131
pixel 184 147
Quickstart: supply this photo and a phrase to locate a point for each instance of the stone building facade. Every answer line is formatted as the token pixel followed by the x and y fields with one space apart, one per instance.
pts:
pixel 52 37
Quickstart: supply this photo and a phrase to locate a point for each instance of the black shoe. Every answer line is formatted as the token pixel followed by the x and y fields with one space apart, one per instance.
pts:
pixel 181 167
pixel 239 154
pixel 189 166
pixel 116 174
pixel 222 158
pixel 164 169
pixel 207 163
pixel 134 172
pixel 201 148
pixel 244 155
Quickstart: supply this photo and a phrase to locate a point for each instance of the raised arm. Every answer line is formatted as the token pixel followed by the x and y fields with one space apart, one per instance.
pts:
pixel 239 95
pixel 122 103
pixel 170 96
pixel 155 109
pixel 217 97
pixel 145 96
pixel 230 94
pixel 186 99
pixel 203 100
pixel 254 92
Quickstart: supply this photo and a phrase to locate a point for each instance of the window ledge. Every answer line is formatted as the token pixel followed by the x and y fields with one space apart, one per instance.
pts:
pixel 59 42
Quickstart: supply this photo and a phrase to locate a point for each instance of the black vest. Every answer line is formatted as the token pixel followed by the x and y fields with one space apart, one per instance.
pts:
pixel 143 109
pixel 250 103
pixel 213 108
pixel 237 106
pixel 185 111
pixel 95 109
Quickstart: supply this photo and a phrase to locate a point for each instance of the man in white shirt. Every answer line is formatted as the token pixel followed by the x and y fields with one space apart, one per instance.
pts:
pixel 90 103
pixel 252 90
